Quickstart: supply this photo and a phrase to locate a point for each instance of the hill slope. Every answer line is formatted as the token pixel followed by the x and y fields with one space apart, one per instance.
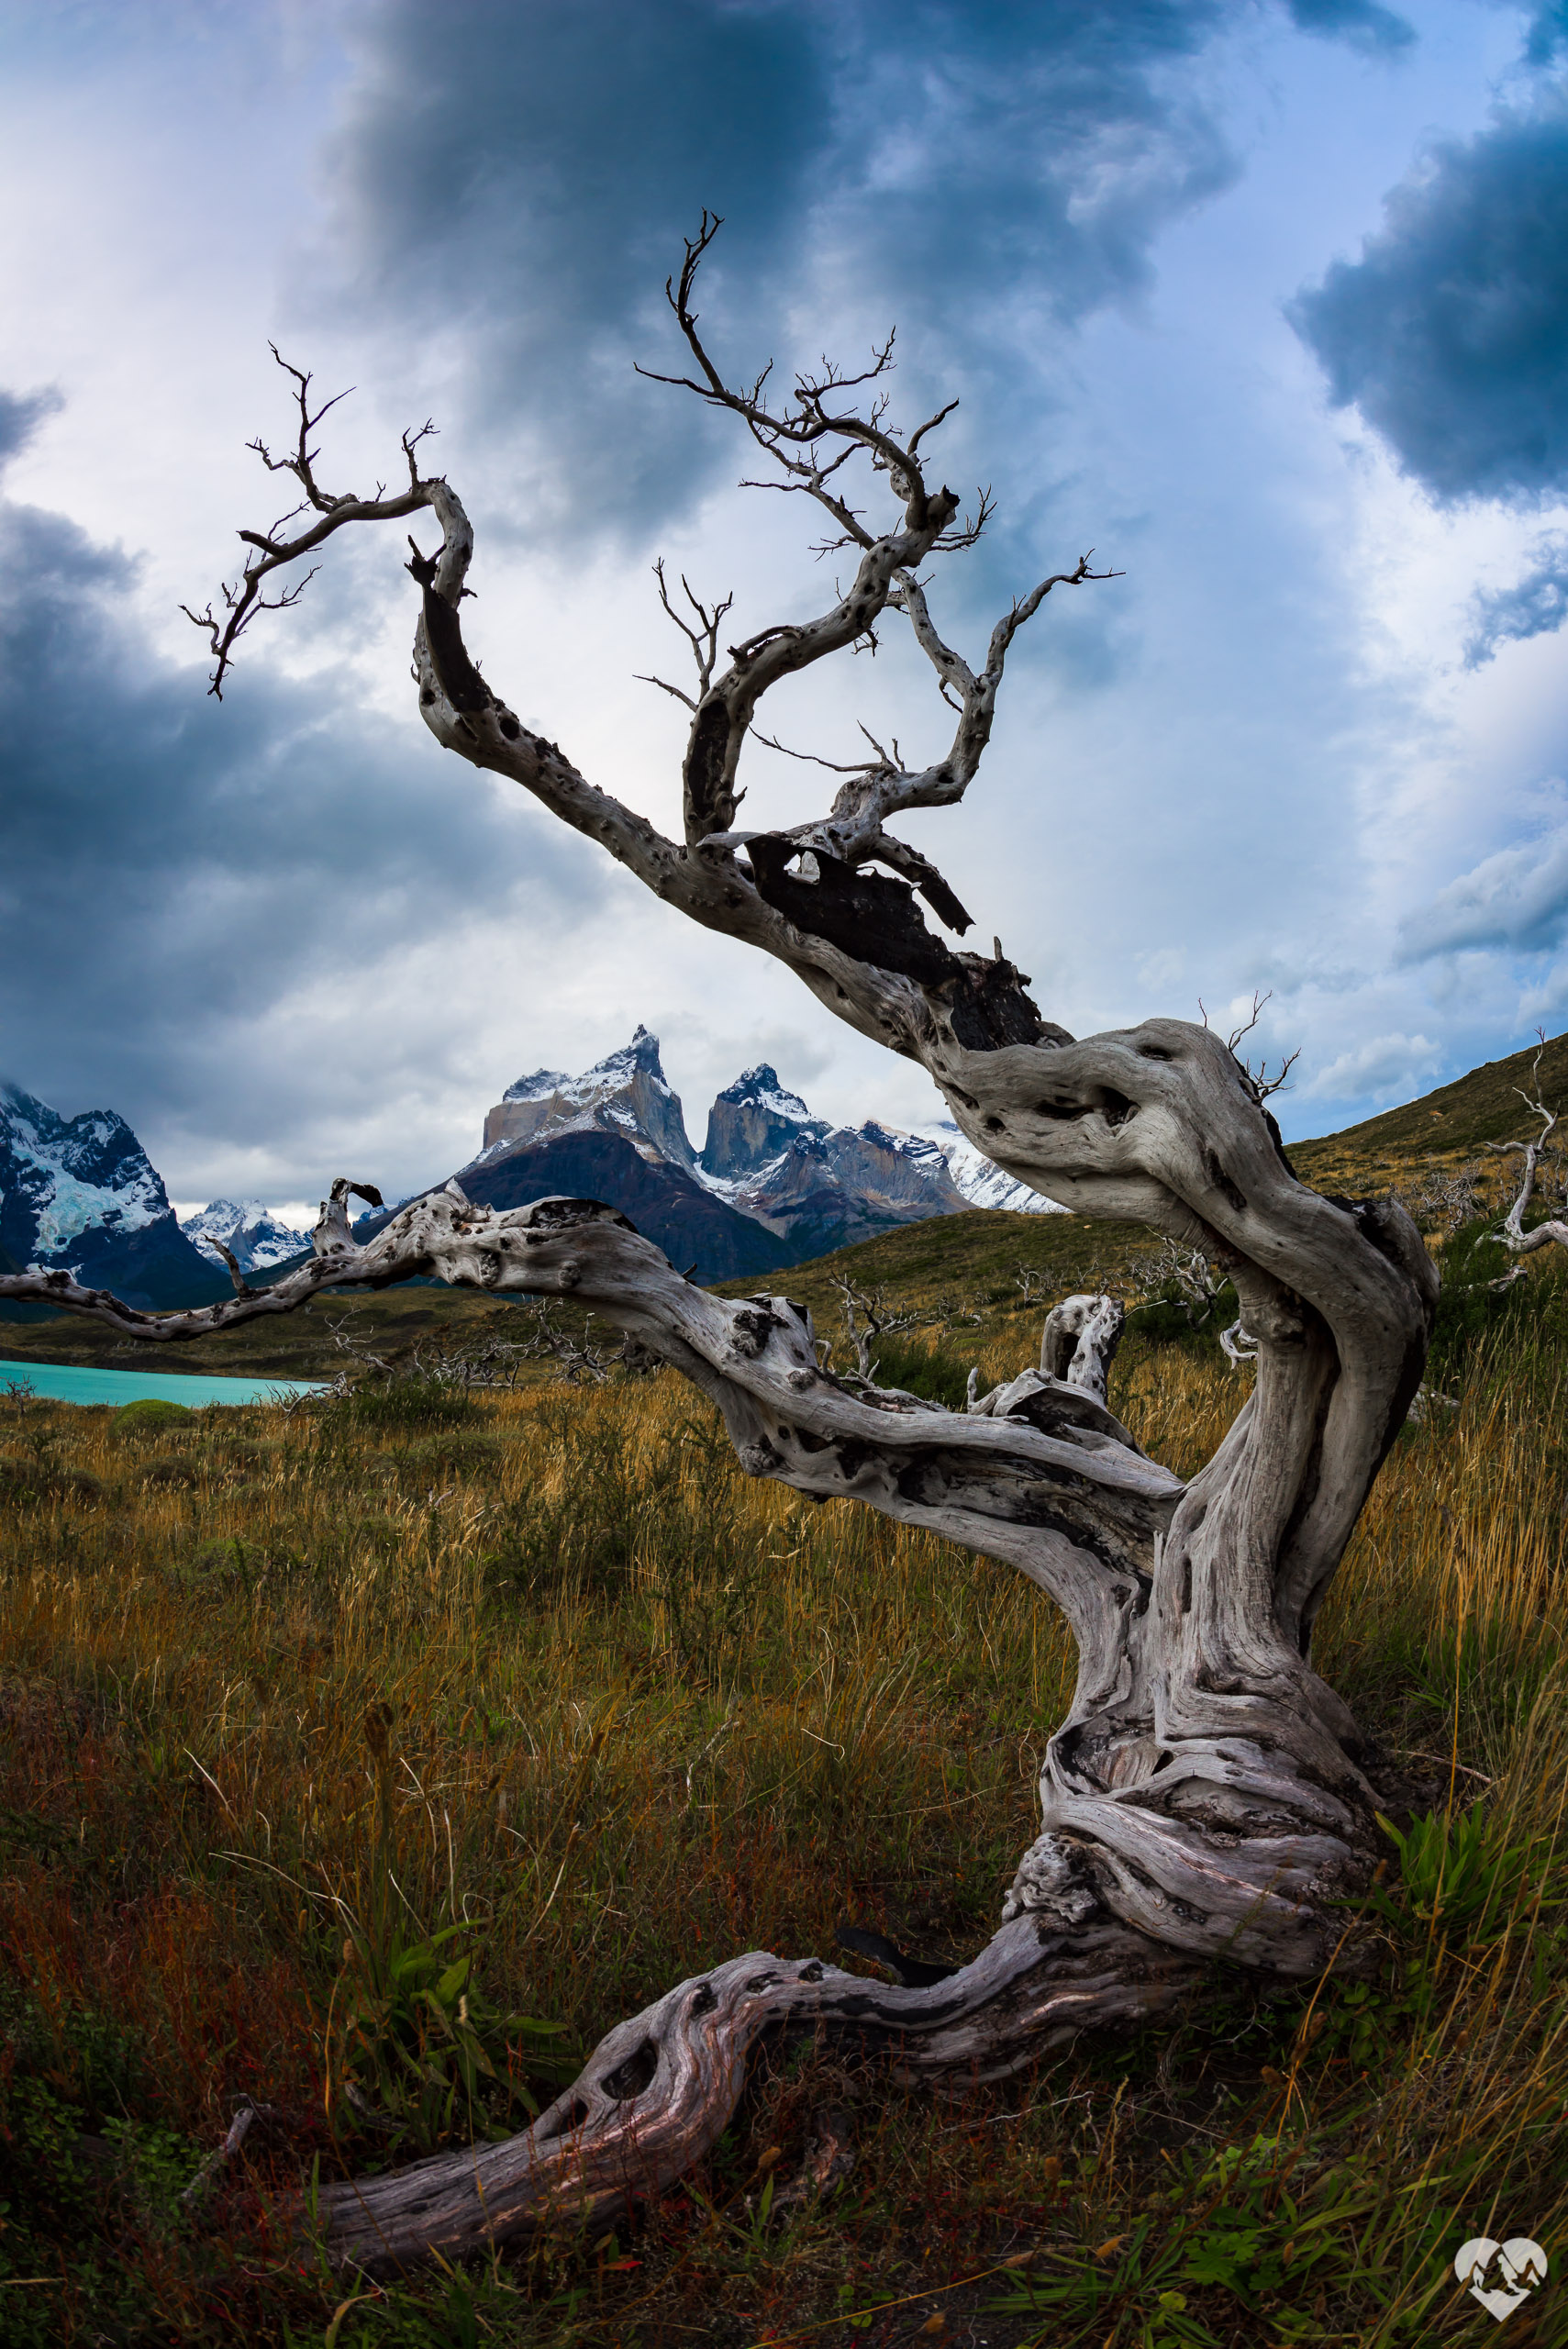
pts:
pixel 1449 1126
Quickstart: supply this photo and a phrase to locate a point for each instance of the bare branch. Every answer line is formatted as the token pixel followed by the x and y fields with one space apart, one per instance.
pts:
pixel 869 1315
pixel 930 425
pixel 243 601
pixel 644 679
pixel 1262 1084
pixel 810 758
pixel 703 639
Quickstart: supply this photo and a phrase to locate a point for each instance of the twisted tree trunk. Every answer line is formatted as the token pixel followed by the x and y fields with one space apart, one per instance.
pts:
pixel 1206 1797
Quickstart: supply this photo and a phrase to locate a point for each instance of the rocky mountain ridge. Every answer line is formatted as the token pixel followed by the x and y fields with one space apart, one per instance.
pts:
pixel 625 1093
pixel 813 1185
pixel 772 1186
pixel 254 1236
pixel 79 1194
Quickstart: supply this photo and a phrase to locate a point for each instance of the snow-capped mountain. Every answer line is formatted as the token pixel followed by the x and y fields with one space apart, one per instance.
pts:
pixel 813 1186
pixel 616 1133
pixel 626 1093
pixel 81 1194
pixel 255 1237
pixel 983 1183
pixel 751 1123
pixel 819 1186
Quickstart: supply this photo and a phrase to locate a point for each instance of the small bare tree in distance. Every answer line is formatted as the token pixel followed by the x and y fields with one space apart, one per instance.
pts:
pixel 1208 1798
pixel 1551 1230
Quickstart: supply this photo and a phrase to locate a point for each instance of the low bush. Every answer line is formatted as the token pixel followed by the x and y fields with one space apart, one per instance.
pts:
pixel 392 1405
pixel 932 1369
pixel 151 1416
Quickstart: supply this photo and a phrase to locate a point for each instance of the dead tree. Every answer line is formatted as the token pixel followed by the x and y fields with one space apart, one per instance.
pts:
pixel 1208 1798
pixel 1200 1284
pixel 869 1315
pixel 1553 1231
pixel 1076 1349
pixel 1448 1196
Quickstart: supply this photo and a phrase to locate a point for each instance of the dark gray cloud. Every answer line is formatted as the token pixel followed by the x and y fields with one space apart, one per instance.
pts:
pixel 169 868
pixel 520 178
pixel 1535 605
pixel 21 413
pixel 1548 34
pixel 1516 899
pixel 1360 22
pixel 1451 333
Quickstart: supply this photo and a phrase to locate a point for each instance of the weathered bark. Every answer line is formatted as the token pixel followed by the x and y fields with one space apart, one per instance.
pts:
pixel 1206 1797
pixel 1080 1340
pixel 659 2091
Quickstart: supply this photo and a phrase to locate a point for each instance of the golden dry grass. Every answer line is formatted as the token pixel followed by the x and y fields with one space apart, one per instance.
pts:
pixel 646 1712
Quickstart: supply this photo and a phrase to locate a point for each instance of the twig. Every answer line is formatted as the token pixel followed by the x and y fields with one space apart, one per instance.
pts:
pixel 238 2129
pixel 725 1726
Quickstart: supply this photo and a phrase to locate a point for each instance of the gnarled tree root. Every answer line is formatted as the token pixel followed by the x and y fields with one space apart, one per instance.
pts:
pixel 659 2091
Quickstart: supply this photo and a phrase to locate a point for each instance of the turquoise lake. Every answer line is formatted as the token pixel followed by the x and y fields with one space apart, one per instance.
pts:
pixel 69 1383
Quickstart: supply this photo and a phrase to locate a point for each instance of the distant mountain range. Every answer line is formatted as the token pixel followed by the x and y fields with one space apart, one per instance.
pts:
pixel 81 1194
pixel 790 1176
pixel 772 1186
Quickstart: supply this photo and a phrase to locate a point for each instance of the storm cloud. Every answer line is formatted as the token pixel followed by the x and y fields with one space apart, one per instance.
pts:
pixel 171 867
pixel 1451 332
pixel 519 178
pixel 1536 604
pixel 1360 22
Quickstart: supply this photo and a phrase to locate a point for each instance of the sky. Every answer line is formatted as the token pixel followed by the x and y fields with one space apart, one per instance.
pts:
pixel 1266 301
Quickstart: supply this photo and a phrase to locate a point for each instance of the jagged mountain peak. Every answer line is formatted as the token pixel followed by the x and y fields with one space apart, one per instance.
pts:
pixel 81 1194
pixel 762 1084
pixel 640 1057
pixel 69 1175
pixel 625 1093
pixel 751 1122
pixel 537 1088
pixel 253 1235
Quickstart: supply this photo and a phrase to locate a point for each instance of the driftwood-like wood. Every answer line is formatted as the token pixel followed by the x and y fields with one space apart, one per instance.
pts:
pixel 659 2091
pixel 1206 1797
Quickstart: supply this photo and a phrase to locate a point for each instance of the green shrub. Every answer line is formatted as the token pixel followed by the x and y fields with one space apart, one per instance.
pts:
pixel 25 1482
pixel 390 1404
pixel 149 1417
pixel 1469 1306
pixel 935 1372
pixel 216 1566
pixel 181 1474
pixel 463 1452
pixel 1166 1319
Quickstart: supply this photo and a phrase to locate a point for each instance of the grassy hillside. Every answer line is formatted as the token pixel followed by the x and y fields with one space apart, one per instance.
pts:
pixel 1446 1128
pixel 299 1345
pixel 284 1698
